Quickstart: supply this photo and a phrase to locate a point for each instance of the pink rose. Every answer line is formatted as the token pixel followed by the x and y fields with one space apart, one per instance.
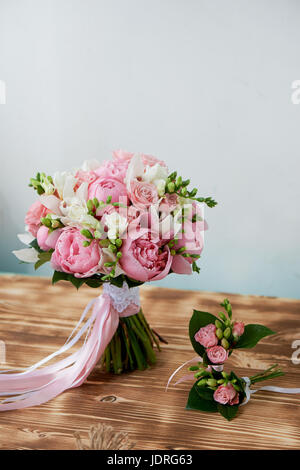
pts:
pixel 46 240
pixel 70 256
pixel 122 155
pixel 101 188
pixel 238 328
pixel 217 354
pixel 143 259
pixel 148 160
pixel 192 240
pixel 143 194
pixel 113 169
pixel 226 395
pixel 85 177
pixel 207 336
pixel 33 217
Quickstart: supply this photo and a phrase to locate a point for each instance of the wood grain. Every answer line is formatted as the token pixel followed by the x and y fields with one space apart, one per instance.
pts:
pixel 36 319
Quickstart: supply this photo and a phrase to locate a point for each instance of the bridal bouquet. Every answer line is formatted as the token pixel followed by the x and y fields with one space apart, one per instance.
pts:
pixel 117 224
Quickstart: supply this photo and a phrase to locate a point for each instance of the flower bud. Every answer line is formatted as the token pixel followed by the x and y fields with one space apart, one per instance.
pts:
pixel 220 381
pixel 201 383
pixel 227 332
pixel 171 187
pixel 211 382
pixel 119 242
pixel 218 324
pixel 86 233
pixel 219 333
pixel 225 343
pixel 90 205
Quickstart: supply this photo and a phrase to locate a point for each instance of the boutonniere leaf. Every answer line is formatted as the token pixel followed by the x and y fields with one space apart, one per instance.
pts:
pixel 252 335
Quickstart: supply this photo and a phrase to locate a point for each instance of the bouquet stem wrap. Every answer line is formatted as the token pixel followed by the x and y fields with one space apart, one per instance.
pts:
pixel 36 385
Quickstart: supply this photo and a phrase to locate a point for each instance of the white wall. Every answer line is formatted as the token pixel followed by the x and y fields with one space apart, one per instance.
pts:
pixel 205 85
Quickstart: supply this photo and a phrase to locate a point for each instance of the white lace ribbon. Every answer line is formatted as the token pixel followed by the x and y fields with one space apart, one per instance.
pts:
pixel 269 388
pixel 122 297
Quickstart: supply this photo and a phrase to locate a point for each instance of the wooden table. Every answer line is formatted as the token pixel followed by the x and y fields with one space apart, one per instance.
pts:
pixel 36 318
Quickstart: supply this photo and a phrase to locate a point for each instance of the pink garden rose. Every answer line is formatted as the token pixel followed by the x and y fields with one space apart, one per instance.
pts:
pixel 207 336
pixel 113 169
pixel 143 259
pixel 70 256
pixel 46 240
pixel 101 188
pixel 33 217
pixel 238 328
pixel 85 177
pixel 148 160
pixel 143 194
pixel 192 240
pixel 217 354
pixel 226 395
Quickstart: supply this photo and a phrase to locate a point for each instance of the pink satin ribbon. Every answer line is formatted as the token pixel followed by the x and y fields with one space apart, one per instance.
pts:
pixel 35 386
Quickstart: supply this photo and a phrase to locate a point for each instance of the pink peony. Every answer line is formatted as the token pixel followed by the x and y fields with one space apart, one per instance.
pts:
pixel 192 240
pixel 207 336
pixel 238 328
pixel 33 217
pixel 70 256
pixel 217 354
pixel 142 258
pixel 143 194
pixel 101 188
pixel 113 169
pixel 226 395
pixel 46 240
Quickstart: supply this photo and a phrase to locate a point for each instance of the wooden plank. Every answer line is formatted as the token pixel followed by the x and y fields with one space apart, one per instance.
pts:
pixel 36 319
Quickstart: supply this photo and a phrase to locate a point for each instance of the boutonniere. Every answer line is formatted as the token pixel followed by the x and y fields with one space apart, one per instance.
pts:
pixel 223 392
pixel 214 338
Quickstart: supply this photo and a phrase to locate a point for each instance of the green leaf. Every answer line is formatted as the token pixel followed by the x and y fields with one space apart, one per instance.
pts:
pixel 195 402
pixel 76 281
pixel 252 335
pixel 93 282
pixel 198 320
pixel 228 411
pixel 59 276
pixel 44 257
pixel 205 393
pixel 34 244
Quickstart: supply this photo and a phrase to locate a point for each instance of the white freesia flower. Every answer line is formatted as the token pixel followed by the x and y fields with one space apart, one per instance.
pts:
pixel 47 186
pixel 74 208
pixel 135 170
pixel 64 183
pixel 155 173
pixel 116 225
